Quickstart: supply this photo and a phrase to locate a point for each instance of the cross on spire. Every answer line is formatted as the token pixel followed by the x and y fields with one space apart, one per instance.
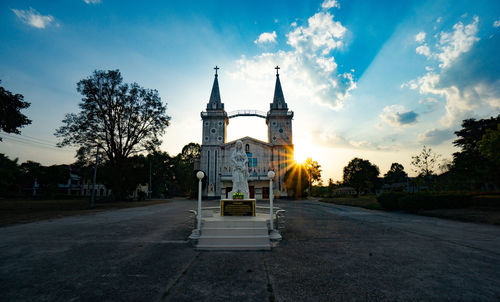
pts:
pixel 277 69
pixel 216 68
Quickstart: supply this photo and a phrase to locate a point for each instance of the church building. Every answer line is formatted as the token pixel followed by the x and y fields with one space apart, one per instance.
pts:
pixel 276 154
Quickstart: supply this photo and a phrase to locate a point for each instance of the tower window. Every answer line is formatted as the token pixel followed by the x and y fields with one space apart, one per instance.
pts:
pixel 247 148
pixel 213 130
pixel 207 123
pixel 219 138
pixel 281 130
pixel 220 123
pixel 206 138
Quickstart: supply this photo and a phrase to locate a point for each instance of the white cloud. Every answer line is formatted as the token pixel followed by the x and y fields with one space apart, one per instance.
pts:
pixel 420 37
pixel 429 104
pixel 438 20
pixel 452 45
pixel 423 50
pixel 33 18
pixel 435 136
pixel 92 1
pixel 308 69
pixel 397 116
pixel 463 98
pixel 322 34
pixel 266 38
pixel 496 23
pixel 327 4
pixel 334 140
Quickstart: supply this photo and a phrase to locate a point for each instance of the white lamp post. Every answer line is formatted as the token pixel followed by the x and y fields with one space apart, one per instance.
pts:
pixel 200 176
pixel 196 232
pixel 274 233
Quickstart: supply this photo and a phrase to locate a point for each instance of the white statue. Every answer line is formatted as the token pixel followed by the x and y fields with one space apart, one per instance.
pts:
pixel 239 161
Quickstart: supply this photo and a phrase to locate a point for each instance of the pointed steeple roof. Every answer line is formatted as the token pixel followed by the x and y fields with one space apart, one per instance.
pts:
pixel 279 99
pixel 215 101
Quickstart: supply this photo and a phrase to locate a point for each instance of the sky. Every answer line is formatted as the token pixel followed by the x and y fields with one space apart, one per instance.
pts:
pixel 370 79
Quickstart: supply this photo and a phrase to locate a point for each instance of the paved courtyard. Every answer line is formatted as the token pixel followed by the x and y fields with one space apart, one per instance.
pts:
pixel 329 253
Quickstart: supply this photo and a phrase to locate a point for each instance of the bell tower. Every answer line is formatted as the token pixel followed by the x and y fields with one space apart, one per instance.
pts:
pixel 214 135
pixel 279 130
pixel 279 118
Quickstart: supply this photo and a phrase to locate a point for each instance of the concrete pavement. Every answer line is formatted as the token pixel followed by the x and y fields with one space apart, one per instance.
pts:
pixel 329 253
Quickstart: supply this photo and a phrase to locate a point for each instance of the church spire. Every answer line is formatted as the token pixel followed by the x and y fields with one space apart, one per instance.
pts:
pixel 279 99
pixel 215 101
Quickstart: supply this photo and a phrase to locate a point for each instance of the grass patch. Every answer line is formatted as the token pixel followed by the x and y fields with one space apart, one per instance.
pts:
pixel 483 210
pixel 481 215
pixel 15 211
pixel 367 202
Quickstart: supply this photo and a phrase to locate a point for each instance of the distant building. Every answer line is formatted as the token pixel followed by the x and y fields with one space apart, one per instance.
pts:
pixel 275 154
pixel 344 191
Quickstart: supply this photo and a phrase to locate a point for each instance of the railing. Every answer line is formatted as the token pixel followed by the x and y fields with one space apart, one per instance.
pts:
pixel 279 222
pixel 280 219
pixel 247 112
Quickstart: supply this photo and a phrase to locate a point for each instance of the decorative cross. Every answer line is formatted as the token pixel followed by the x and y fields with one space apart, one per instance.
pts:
pixel 216 68
pixel 277 69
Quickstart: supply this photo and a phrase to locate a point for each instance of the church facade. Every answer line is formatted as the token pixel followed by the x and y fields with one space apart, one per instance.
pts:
pixel 276 154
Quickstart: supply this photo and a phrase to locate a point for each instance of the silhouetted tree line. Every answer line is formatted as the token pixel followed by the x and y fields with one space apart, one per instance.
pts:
pixel 118 122
pixel 170 175
pixel 475 167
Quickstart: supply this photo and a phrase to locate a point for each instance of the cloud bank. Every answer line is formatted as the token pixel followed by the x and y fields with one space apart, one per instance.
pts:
pixel 309 67
pixel 466 76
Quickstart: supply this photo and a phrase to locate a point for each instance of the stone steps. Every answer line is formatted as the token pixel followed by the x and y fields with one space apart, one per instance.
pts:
pixel 234 233
pixel 234 247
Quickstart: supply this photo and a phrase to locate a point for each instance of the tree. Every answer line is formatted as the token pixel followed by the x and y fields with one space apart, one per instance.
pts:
pixel 471 168
pixel 297 180
pixel 120 119
pixel 11 119
pixel 47 178
pixel 489 145
pixel 313 172
pixel 425 163
pixel 396 174
pixel 361 175
pixel 191 152
pixel 9 174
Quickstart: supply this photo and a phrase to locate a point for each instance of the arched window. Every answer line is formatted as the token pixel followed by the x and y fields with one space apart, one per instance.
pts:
pixel 247 148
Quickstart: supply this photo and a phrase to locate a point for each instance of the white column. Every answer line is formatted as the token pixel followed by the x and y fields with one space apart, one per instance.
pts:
pixel 196 232
pixel 270 174
pixel 200 176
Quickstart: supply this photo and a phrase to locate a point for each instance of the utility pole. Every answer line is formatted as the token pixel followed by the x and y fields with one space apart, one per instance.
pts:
pixel 92 196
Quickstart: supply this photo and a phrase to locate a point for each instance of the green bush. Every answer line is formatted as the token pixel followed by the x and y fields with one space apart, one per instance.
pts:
pixel 489 201
pixel 431 201
pixel 415 202
pixel 390 200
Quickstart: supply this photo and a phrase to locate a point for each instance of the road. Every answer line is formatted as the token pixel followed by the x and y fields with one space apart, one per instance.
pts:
pixel 329 253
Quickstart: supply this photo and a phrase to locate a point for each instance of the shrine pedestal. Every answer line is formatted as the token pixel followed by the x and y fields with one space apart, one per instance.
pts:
pixel 237 207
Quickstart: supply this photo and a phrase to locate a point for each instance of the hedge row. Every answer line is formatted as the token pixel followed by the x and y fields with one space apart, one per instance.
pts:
pixel 413 202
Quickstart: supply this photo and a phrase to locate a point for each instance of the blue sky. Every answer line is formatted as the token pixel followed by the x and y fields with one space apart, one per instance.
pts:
pixel 373 79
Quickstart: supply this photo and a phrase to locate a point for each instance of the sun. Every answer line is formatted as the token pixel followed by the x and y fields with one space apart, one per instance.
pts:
pixel 300 153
